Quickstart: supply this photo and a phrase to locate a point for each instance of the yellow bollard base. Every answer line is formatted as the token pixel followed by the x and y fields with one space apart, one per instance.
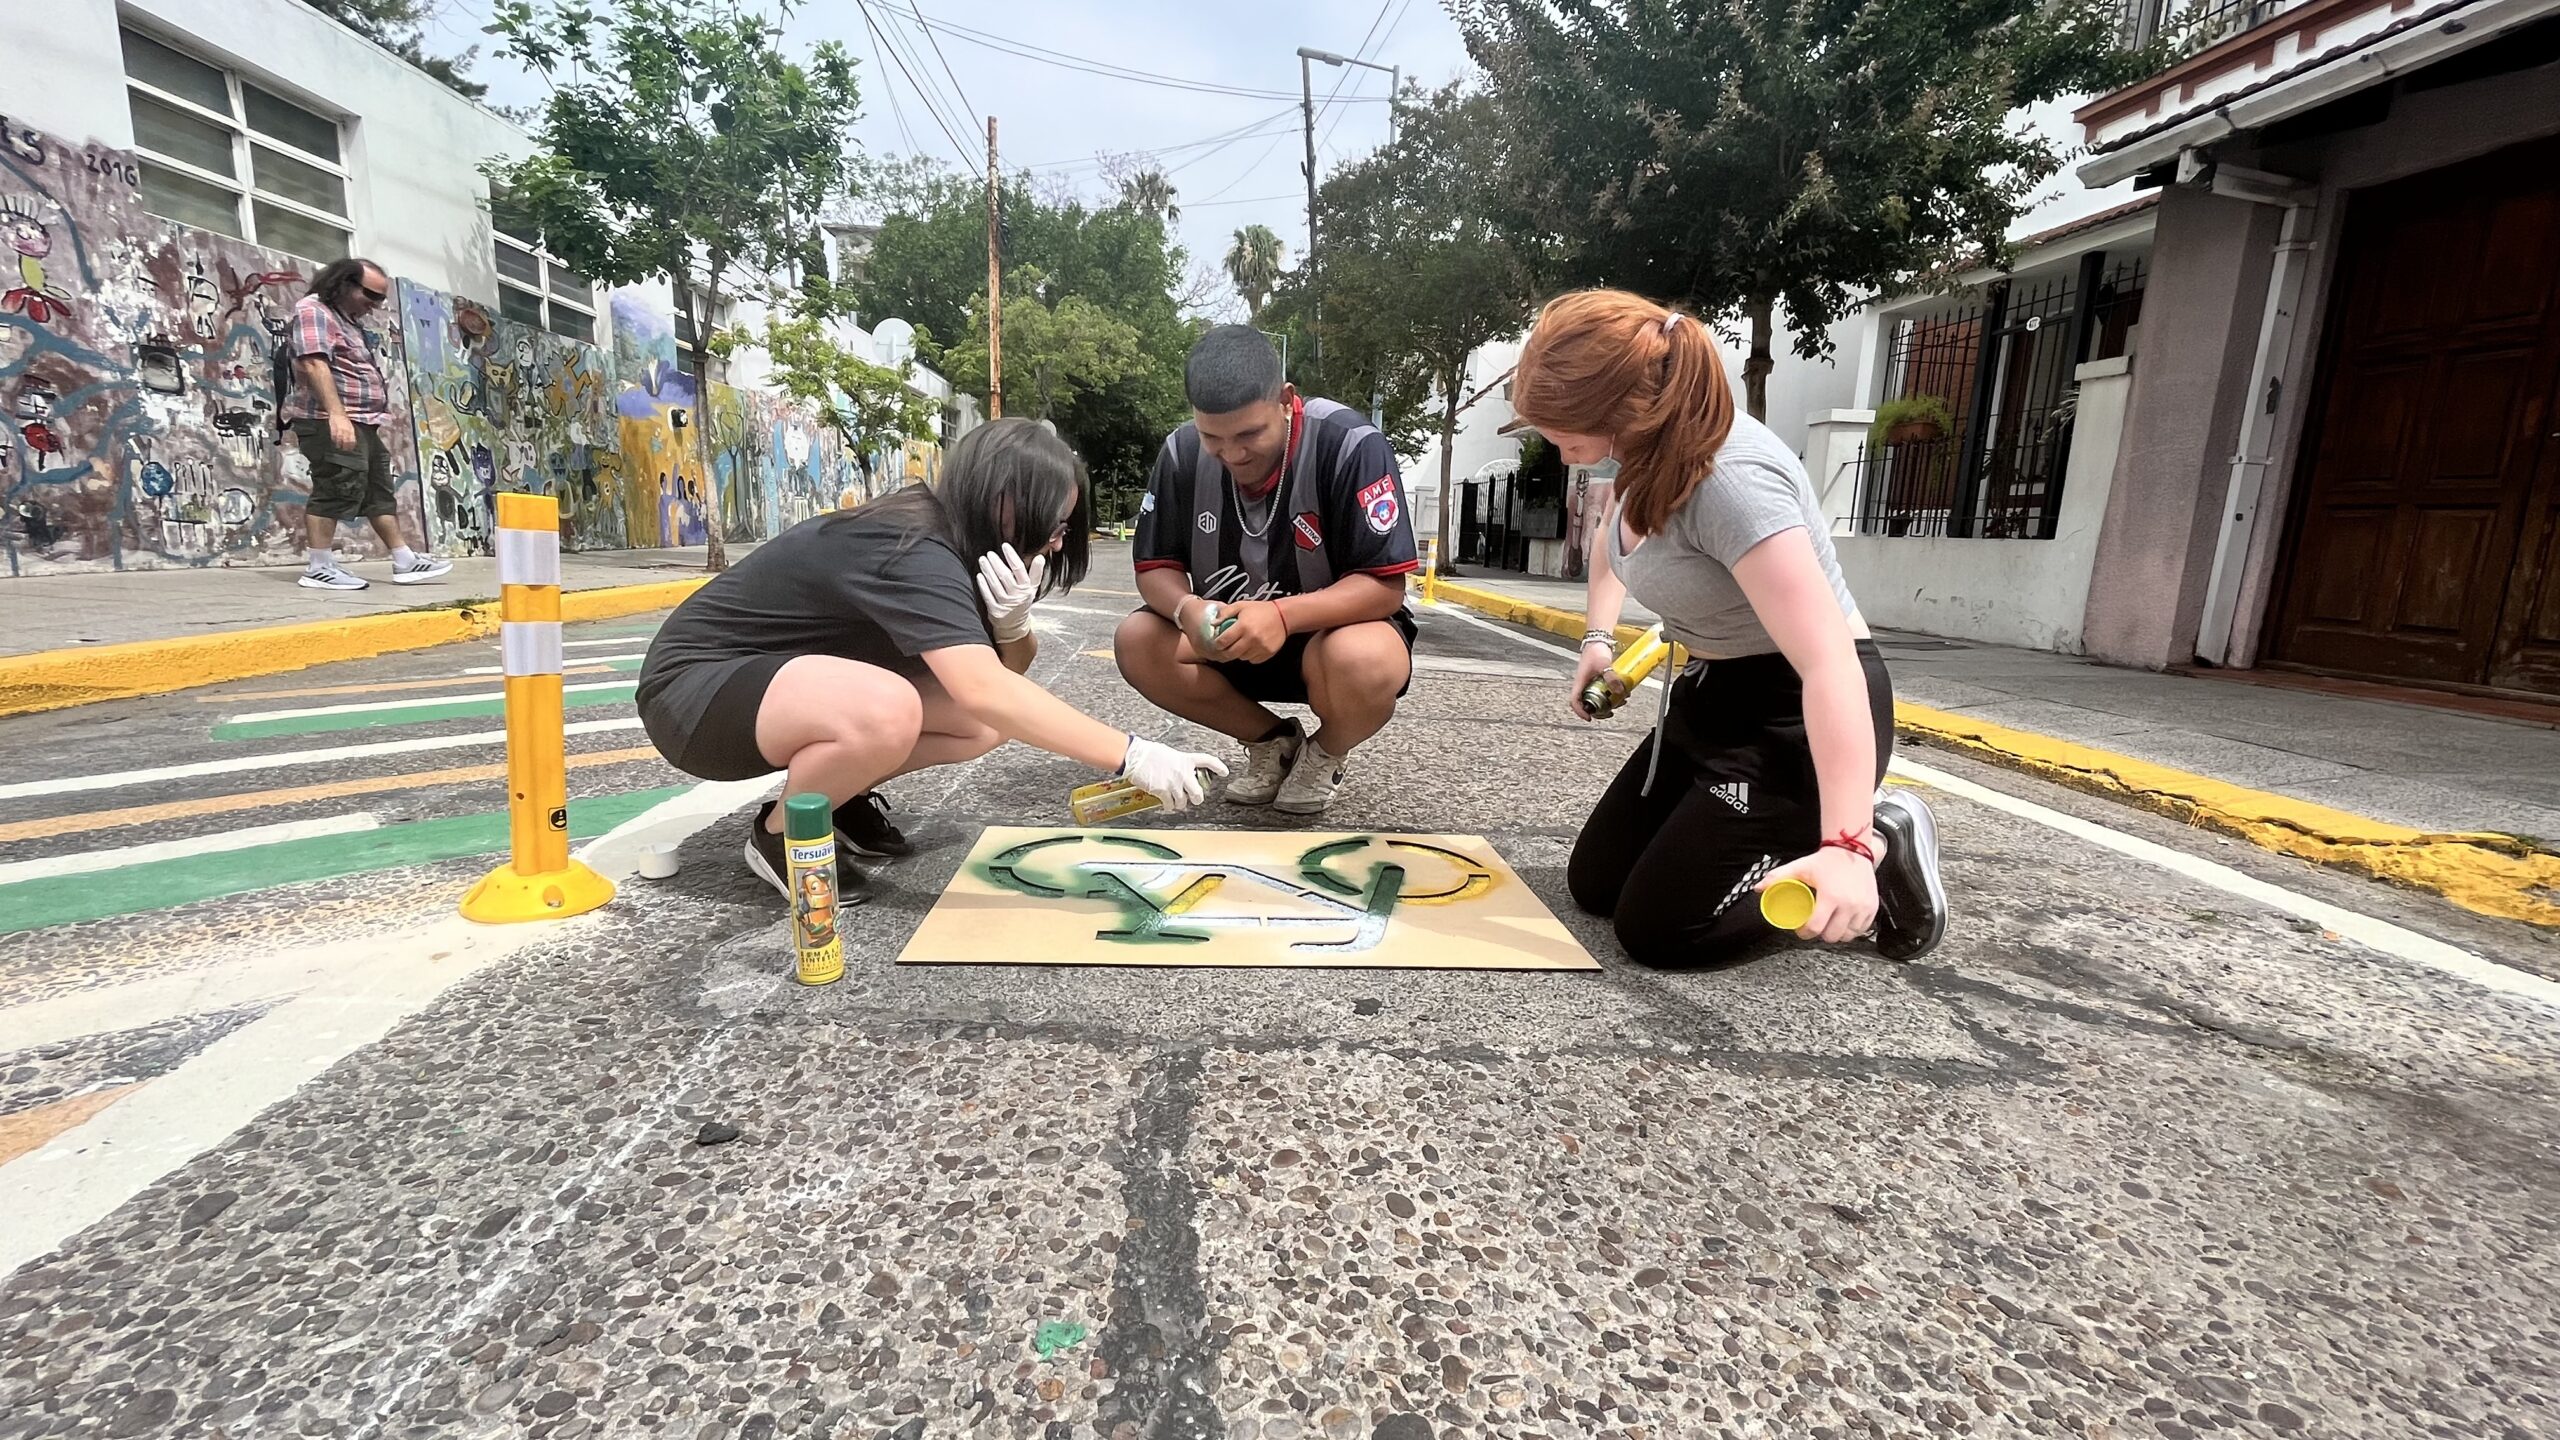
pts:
pixel 504 897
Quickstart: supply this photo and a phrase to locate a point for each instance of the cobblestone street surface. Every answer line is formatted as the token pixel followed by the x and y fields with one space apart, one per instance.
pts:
pixel 2210 1144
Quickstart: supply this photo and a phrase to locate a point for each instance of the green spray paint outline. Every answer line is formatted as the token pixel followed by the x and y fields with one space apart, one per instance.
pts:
pixel 1143 920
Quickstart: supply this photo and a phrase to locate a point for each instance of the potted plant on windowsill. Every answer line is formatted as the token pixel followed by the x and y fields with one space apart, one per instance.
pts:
pixel 1909 420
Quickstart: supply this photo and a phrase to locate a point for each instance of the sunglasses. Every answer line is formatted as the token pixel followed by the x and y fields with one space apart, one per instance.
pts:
pixel 376 296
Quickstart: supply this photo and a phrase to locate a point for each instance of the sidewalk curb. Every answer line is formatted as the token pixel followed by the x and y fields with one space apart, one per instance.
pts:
pixel 60 679
pixel 2487 874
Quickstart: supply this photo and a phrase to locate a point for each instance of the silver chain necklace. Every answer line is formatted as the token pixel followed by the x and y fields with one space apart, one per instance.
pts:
pixel 1279 488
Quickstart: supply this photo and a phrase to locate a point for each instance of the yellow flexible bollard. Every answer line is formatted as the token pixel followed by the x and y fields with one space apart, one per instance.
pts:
pixel 540 881
pixel 1431 570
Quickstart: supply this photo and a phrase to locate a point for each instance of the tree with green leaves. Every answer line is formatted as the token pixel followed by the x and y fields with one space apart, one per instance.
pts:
pixel 1417 275
pixel 1149 193
pixel 867 405
pixel 928 266
pixel 678 140
pixel 1254 263
pixel 1058 345
pixel 399 26
pixel 1741 156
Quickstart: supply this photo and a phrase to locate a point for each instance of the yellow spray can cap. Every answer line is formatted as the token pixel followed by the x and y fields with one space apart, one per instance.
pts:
pixel 1787 904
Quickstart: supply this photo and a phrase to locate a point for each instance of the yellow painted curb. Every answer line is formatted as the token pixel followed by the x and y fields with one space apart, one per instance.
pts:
pixel 1498 606
pixel 59 679
pixel 2487 874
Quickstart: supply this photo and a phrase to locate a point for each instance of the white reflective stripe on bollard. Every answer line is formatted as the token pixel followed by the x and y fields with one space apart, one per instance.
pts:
pixel 528 557
pixel 530 647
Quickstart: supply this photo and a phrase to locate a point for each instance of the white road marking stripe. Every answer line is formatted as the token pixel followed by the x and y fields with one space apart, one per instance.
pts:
pixel 2397 941
pixel 426 703
pixel 80 784
pixel 119 856
pixel 583 660
pixel 606 644
pixel 342 999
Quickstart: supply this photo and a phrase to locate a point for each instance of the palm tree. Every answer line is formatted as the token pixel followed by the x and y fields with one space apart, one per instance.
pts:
pixel 1149 193
pixel 1253 263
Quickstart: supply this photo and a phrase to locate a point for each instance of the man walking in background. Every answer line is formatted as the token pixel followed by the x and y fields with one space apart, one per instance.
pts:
pixel 1287 515
pixel 339 402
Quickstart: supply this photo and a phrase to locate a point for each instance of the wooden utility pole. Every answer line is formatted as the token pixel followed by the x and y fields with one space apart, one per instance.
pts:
pixel 995 279
pixel 1315 285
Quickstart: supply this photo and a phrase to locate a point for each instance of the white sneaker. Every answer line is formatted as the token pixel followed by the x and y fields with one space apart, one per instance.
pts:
pixel 332 578
pixel 427 568
pixel 1266 767
pixel 1312 780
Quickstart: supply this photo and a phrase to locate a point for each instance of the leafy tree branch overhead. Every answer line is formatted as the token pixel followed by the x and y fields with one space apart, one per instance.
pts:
pixel 1747 157
pixel 678 140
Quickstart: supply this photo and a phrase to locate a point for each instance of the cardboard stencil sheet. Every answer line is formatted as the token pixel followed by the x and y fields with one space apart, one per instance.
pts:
pixel 1064 896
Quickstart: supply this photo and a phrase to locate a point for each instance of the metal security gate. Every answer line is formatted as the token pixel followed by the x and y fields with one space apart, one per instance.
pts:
pixel 2003 367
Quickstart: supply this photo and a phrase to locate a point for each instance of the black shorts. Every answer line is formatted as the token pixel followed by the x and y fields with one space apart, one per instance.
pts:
pixel 1282 679
pixel 347 484
pixel 720 742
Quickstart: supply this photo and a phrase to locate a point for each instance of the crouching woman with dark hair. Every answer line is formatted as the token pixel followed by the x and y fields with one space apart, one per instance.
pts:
pixel 871 643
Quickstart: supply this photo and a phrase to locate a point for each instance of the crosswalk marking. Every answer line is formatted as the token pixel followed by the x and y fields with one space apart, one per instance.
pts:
pixel 293 795
pixel 116 857
pixel 384 687
pixel 165 884
pixel 635 656
pixel 236 764
pixel 420 704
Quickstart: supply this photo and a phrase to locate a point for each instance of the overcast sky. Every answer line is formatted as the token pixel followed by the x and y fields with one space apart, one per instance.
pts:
pixel 1057 119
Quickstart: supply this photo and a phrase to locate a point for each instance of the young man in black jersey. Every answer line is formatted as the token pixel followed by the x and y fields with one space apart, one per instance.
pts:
pixel 1288 515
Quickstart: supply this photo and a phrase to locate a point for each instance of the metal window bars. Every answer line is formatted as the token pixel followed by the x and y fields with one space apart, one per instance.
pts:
pixel 2002 364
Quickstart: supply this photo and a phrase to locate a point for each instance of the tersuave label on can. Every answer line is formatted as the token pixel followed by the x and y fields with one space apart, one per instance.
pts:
pixel 812 860
pixel 1108 800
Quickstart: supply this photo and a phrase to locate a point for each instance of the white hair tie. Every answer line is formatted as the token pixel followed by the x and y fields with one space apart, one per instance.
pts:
pixel 1671 322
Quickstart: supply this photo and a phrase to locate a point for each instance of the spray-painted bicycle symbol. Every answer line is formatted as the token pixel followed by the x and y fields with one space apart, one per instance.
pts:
pixel 1166 897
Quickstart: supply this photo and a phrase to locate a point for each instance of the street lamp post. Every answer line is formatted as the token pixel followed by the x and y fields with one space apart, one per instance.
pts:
pixel 1307 109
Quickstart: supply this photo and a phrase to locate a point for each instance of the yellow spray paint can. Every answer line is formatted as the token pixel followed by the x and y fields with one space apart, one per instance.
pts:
pixel 809 845
pixel 1610 688
pixel 1788 905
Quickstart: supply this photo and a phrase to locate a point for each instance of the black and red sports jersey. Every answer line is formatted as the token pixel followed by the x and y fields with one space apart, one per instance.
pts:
pixel 1338 509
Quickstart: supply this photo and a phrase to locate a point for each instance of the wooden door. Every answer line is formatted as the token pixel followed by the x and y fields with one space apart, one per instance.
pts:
pixel 2430 456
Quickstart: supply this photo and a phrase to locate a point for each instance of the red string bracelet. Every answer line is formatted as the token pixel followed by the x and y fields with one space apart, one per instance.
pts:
pixel 1849 841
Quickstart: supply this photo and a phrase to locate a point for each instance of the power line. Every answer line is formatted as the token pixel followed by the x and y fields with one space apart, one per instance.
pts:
pixel 896 110
pixel 966 157
pixel 956 87
pixel 956 121
pixel 1251 200
pixel 1026 51
pixel 1248 130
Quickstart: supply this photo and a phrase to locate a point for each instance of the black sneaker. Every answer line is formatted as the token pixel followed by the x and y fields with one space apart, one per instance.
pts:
pixel 769 861
pixel 1913 914
pixel 862 825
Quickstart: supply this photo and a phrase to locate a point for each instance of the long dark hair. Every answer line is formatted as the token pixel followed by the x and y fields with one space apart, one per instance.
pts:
pixel 1001 485
pixel 340 276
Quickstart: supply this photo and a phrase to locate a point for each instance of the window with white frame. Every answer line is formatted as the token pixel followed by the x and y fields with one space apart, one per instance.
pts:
pixel 533 286
pixel 224 154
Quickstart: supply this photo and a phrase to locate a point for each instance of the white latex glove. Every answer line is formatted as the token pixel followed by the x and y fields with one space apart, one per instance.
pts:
pixel 1008 586
pixel 1170 775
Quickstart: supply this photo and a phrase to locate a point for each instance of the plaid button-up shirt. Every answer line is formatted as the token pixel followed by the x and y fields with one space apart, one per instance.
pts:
pixel 319 330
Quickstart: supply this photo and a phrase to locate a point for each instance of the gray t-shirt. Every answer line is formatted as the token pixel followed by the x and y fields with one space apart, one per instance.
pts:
pixel 1685 574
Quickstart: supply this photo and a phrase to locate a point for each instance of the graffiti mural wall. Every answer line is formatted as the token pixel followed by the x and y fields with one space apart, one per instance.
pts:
pixel 503 407
pixel 659 470
pixel 139 424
